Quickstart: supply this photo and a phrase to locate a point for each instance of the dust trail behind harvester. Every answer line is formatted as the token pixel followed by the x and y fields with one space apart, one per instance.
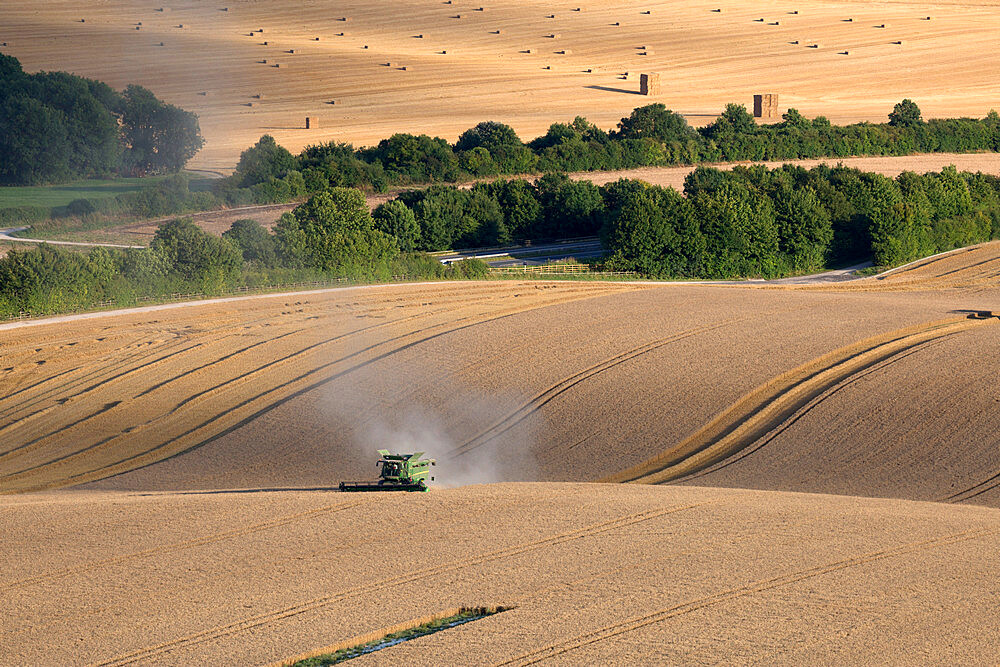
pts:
pixel 436 423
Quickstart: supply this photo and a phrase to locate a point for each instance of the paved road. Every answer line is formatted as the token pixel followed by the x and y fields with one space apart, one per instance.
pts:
pixel 525 255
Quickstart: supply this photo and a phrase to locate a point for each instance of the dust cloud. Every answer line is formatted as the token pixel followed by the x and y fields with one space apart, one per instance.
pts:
pixel 441 418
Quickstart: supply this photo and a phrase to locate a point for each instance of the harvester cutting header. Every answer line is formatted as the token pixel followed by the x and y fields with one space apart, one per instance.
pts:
pixel 400 472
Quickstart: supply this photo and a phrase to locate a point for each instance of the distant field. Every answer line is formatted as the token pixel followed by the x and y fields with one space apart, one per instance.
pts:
pixel 61 195
pixel 426 66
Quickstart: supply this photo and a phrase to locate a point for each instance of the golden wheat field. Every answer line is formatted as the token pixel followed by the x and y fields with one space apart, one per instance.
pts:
pixel 365 70
pixel 183 463
pixel 638 472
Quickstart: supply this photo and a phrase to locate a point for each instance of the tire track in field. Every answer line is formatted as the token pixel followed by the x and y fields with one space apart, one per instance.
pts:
pixel 37 442
pixel 49 378
pixel 211 538
pixel 974 491
pixel 540 400
pixel 771 404
pixel 760 586
pixel 226 357
pixel 315 385
pixel 100 368
pixel 967 268
pixel 991 483
pixel 810 407
pixel 260 620
pixel 155 454
pixel 34 443
pixel 178 337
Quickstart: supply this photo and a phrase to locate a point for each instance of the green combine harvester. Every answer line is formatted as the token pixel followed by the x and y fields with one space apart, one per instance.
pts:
pixel 400 472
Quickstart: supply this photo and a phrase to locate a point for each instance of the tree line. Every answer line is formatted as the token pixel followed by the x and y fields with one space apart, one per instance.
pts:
pixel 747 222
pixel 57 127
pixel 330 236
pixel 756 222
pixel 651 136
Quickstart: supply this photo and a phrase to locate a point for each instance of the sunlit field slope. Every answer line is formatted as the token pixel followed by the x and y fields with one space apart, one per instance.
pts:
pixel 597 574
pixel 364 70
pixel 203 445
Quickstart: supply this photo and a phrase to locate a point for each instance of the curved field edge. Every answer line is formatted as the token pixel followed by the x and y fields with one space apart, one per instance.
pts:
pixel 771 404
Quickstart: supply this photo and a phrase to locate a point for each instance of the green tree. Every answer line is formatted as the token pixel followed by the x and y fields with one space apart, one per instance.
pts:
pixel 741 234
pixel 438 210
pixel 482 222
pixel 569 208
pixel 805 230
pixel 396 219
pixel 34 142
pixel 338 236
pixel 254 242
pixel 505 148
pixel 735 119
pixel 655 121
pixel 518 200
pixel 95 148
pixel 159 137
pixel 905 114
pixel 653 231
pixel 195 255
pixel 795 120
pixel 416 158
pixel 262 162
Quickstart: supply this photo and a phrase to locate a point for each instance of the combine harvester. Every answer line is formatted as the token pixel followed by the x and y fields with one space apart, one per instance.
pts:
pixel 400 472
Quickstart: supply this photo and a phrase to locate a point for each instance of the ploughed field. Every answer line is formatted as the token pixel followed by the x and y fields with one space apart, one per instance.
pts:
pixel 365 70
pixel 184 462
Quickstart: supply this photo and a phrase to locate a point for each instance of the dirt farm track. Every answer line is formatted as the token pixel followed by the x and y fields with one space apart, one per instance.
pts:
pixel 813 474
pixel 364 70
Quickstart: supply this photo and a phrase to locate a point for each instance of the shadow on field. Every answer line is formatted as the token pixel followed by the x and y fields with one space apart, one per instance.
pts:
pixel 276 489
pixel 615 90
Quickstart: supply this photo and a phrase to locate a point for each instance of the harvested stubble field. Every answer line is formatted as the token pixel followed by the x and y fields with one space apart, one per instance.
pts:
pixel 205 443
pixel 445 74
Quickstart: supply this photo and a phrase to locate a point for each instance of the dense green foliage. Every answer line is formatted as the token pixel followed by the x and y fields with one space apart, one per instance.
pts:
pixel 334 233
pixel 330 237
pixel 752 221
pixel 56 127
pixel 651 136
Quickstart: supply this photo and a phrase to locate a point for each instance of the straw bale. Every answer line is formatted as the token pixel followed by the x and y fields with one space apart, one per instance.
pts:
pixel 649 84
pixel 765 105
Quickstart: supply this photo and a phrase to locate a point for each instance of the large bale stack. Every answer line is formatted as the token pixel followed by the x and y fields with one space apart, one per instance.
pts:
pixel 765 105
pixel 649 84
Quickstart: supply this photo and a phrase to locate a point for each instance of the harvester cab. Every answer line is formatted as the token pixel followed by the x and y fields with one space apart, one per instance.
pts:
pixel 399 472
